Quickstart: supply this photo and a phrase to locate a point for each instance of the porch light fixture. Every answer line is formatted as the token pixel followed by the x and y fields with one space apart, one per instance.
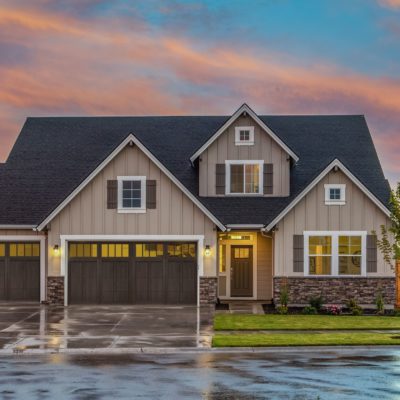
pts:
pixel 207 251
pixel 56 250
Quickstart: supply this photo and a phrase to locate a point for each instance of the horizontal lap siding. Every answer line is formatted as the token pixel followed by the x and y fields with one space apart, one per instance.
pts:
pixel 311 214
pixel 175 213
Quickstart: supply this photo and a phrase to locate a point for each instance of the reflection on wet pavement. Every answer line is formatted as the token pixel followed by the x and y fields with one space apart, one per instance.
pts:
pixel 315 375
pixel 94 327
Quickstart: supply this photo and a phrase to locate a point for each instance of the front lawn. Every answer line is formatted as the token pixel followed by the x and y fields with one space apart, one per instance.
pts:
pixel 305 339
pixel 303 322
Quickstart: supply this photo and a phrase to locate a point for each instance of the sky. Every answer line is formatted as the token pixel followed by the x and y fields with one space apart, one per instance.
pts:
pixel 160 57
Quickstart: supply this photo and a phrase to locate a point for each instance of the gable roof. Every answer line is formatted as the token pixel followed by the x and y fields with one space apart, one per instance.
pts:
pixel 243 109
pixel 53 156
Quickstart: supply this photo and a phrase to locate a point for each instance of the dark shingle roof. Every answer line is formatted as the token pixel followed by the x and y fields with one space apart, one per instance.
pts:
pixel 52 156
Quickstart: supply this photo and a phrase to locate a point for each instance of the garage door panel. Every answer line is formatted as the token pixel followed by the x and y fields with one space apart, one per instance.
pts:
pixel 173 278
pixel 23 280
pixel 114 282
pixel 156 282
pixel 189 282
pixel 83 282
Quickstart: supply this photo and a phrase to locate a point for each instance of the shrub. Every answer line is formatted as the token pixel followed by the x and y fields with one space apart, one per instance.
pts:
pixel 283 310
pixel 284 296
pixel 309 310
pixel 333 309
pixel 353 307
pixel 316 302
pixel 380 304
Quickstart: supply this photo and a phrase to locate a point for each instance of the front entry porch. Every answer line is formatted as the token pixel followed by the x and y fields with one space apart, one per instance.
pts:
pixel 245 266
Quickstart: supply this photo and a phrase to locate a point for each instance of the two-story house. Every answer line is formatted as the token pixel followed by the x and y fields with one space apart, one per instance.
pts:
pixel 188 209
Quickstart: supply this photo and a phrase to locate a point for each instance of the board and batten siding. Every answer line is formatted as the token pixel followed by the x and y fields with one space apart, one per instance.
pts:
pixel 224 148
pixel 264 267
pixel 311 214
pixel 175 213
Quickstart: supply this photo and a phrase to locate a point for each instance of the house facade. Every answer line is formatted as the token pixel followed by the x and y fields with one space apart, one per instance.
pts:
pixel 188 210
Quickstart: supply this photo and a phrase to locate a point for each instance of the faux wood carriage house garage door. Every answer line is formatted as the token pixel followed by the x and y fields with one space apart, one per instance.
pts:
pixel 20 271
pixel 132 273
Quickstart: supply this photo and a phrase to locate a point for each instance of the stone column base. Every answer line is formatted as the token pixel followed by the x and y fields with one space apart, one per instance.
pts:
pixel 55 290
pixel 336 290
pixel 208 290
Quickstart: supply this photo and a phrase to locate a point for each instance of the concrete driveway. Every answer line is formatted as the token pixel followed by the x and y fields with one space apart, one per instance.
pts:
pixel 30 327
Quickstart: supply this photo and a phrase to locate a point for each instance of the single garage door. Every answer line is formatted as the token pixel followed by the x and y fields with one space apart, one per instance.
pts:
pixel 19 271
pixel 132 273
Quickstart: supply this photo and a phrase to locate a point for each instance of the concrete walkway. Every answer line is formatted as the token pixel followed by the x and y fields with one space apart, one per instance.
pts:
pixel 25 328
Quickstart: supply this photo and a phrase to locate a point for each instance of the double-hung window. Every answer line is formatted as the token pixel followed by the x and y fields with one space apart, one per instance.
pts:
pixel 244 177
pixel 132 194
pixel 335 253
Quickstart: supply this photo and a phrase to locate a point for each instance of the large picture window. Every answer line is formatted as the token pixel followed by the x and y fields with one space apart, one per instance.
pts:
pixel 244 178
pixel 335 253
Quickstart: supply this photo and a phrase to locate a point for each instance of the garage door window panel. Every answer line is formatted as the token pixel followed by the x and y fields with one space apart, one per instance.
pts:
pixel 149 250
pixel 182 250
pixel 83 250
pixel 2 250
pixel 24 250
pixel 115 250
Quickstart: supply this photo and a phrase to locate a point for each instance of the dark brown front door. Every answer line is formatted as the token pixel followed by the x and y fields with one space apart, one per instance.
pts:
pixel 241 271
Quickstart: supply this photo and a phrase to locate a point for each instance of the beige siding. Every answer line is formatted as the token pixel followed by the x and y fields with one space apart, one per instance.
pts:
pixel 175 213
pixel 264 148
pixel 311 214
pixel 264 268
pixel 18 232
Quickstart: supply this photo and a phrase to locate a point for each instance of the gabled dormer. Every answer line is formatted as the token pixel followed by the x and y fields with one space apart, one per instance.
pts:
pixel 244 158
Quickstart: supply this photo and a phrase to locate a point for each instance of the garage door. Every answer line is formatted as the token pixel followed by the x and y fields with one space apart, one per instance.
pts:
pixel 20 271
pixel 132 273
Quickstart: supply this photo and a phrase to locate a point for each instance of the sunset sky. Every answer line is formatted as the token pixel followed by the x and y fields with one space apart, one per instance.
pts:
pixel 155 57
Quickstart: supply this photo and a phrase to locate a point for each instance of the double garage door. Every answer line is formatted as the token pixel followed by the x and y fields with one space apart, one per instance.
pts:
pixel 132 273
pixel 19 271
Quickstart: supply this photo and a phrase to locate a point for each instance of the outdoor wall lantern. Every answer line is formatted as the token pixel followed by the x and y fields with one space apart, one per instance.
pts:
pixel 56 250
pixel 207 251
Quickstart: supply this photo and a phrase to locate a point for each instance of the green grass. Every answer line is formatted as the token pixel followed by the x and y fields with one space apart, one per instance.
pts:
pixel 302 322
pixel 306 339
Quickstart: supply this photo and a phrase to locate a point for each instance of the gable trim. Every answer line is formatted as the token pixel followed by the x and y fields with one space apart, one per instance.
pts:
pixel 231 120
pixel 347 172
pixel 129 139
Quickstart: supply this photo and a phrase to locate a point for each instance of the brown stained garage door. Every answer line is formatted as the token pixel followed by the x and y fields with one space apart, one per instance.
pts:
pixel 132 273
pixel 19 271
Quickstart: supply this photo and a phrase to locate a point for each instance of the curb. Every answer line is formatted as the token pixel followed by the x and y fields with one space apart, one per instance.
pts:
pixel 191 350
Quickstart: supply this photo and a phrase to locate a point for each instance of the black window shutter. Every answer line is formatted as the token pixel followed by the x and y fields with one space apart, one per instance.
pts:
pixel 298 253
pixel 372 253
pixel 151 194
pixel 220 178
pixel 112 194
pixel 268 178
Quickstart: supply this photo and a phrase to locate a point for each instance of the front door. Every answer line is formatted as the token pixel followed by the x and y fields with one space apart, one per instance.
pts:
pixel 242 271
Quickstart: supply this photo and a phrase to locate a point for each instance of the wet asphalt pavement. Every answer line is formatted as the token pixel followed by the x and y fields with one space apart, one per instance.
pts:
pixel 348 374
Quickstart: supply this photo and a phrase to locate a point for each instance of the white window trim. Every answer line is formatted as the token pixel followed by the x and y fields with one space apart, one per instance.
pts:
pixel 142 208
pixel 239 142
pixel 228 163
pixel 339 202
pixel 335 252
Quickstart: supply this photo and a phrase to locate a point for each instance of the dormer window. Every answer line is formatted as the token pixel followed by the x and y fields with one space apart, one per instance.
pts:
pixel 244 177
pixel 335 194
pixel 244 135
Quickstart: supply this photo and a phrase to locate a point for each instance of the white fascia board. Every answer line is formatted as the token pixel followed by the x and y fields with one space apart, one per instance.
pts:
pixel 334 163
pixel 231 120
pixel 104 163
pixel 245 226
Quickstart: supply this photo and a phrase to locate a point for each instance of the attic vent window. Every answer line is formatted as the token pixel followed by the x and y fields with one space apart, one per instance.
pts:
pixel 335 194
pixel 244 135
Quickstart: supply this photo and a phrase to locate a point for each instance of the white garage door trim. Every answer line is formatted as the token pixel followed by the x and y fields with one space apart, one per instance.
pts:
pixel 199 239
pixel 42 240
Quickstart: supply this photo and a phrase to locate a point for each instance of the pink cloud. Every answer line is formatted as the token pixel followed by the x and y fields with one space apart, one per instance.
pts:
pixel 394 4
pixel 94 67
